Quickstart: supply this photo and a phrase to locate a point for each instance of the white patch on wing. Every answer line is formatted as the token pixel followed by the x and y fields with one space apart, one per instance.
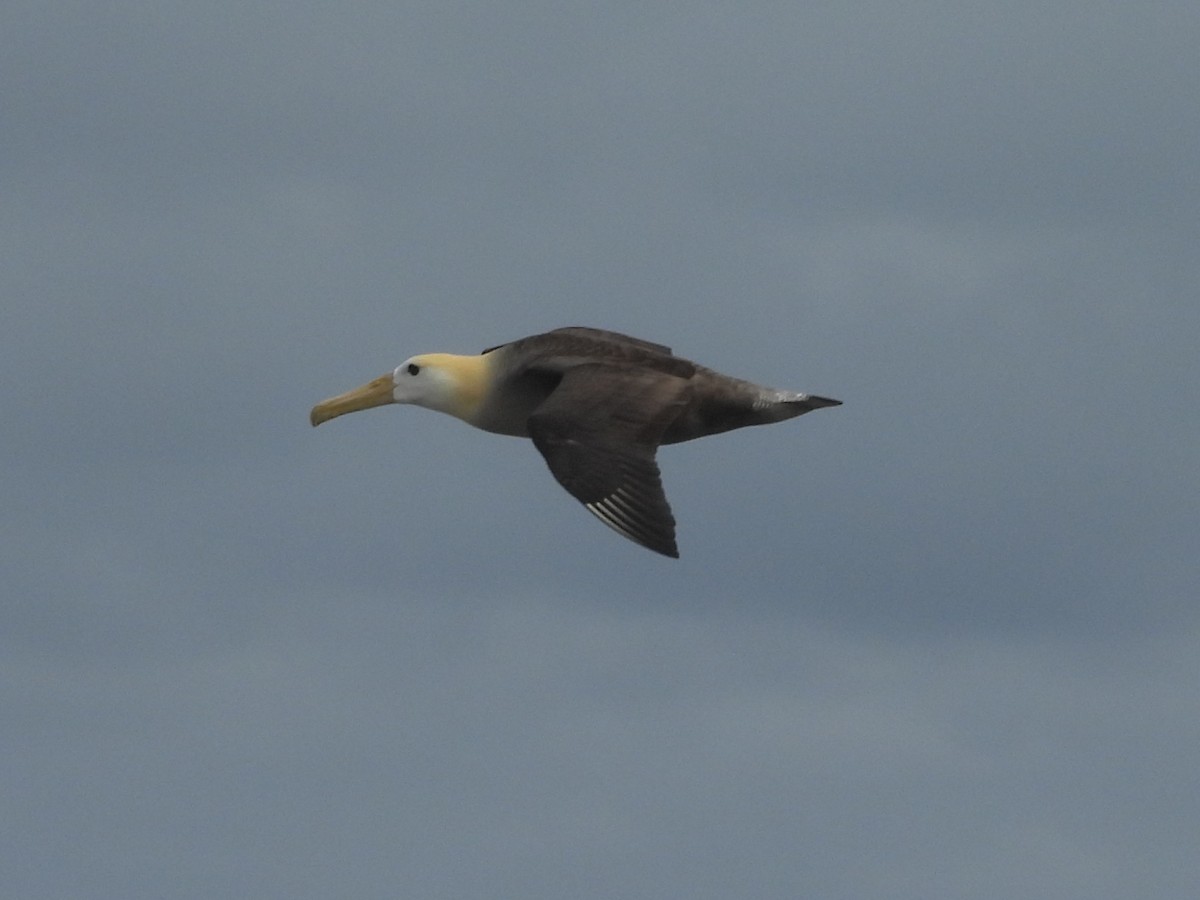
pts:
pixel 619 512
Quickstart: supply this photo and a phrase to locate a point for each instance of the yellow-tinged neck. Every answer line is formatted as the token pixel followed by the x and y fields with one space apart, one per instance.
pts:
pixel 468 380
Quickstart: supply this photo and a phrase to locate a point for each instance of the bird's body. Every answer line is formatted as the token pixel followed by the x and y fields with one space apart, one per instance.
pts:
pixel 596 404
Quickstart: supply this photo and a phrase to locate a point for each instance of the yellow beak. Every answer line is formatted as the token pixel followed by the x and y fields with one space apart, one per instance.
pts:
pixel 377 393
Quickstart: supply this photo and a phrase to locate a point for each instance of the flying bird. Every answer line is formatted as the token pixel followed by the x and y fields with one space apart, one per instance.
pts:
pixel 597 405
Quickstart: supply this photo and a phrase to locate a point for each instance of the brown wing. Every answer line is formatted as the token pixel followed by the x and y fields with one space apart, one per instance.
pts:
pixel 598 431
pixel 615 337
pixel 564 348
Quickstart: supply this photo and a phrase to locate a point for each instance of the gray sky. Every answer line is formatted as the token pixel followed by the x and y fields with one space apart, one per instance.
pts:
pixel 938 643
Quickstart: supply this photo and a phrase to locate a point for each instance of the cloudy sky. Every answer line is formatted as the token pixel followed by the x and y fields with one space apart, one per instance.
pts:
pixel 940 642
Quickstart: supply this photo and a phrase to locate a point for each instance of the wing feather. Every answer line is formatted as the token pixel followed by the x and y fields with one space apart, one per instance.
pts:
pixel 598 431
pixel 563 349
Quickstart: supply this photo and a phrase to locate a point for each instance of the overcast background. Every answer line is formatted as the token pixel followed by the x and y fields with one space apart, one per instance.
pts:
pixel 941 642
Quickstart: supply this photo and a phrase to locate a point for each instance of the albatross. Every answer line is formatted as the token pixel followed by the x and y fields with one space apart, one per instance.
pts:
pixel 596 404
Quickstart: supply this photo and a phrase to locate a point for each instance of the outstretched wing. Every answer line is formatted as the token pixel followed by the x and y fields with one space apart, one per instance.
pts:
pixel 612 337
pixel 563 349
pixel 598 431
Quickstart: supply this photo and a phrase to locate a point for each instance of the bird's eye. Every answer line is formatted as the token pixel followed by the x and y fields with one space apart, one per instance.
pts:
pixel 413 368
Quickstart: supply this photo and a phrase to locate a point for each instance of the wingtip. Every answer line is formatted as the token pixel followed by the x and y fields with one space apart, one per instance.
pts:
pixel 670 551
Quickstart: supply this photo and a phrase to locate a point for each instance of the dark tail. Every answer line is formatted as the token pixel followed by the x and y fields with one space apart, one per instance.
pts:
pixel 802 403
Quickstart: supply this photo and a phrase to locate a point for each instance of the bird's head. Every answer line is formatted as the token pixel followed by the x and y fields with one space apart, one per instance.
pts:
pixel 440 381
